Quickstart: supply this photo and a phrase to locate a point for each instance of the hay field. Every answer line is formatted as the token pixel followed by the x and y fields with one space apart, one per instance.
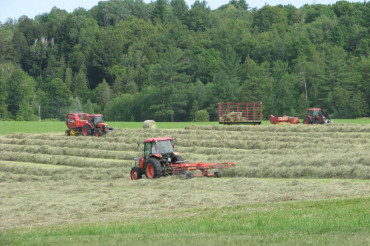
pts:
pixel 51 179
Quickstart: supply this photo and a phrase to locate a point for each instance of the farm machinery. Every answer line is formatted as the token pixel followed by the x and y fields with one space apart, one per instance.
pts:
pixel 86 124
pixel 240 113
pixel 160 160
pixel 316 116
pixel 283 120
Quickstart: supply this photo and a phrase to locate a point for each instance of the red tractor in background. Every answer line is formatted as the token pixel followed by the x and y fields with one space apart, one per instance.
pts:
pixel 316 116
pixel 86 124
pixel 161 159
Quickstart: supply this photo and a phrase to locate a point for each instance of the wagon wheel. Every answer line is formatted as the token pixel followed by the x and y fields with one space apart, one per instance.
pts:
pixel 135 173
pixel 86 130
pixel 153 169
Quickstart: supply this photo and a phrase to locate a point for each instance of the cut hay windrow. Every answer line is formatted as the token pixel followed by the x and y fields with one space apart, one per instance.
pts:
pixel 288 128
pixel 66 151
pixel 258 151
pixel 63 160
pixel 72 144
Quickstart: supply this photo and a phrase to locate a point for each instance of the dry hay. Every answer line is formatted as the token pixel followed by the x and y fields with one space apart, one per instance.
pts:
pixel 334 151
pixel 149 124
pixel 50 179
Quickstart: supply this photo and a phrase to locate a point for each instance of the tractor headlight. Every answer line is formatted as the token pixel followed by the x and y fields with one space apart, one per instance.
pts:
pixel 169 159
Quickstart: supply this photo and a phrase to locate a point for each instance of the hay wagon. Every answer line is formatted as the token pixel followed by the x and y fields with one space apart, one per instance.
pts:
pixel 240 113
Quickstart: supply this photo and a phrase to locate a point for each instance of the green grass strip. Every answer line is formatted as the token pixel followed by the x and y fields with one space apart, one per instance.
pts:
pixel 329 222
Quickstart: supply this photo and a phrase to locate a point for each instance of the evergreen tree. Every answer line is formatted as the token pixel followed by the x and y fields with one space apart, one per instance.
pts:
pixel 3 98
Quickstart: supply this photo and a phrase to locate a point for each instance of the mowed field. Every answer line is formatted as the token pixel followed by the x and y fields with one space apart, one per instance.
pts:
pixel 292 185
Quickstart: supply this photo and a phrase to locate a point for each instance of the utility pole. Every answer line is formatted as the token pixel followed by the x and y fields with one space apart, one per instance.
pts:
pixel 39 113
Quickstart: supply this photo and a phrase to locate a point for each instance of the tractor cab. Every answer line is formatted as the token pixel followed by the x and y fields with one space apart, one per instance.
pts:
pixel 316 116
pixel 95 119
pixel 315 113
pixel 160 148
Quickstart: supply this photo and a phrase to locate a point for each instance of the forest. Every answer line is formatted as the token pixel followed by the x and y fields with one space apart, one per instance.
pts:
pixel 168 61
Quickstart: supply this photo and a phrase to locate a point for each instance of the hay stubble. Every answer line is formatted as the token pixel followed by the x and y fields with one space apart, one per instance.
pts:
pixel 48 179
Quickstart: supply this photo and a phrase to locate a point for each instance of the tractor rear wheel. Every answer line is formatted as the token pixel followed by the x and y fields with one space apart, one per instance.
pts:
pixel 98 132
pixel 307 120
pixel 135 173
pixel 86 130
pixel 153 169
pixel 67 133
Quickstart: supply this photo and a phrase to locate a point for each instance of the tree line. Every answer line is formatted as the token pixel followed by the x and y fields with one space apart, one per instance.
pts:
pixel 168 61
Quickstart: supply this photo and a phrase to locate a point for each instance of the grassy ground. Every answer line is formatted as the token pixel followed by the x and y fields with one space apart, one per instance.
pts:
pixel 334 222
pixel 10 127
pixel 293 185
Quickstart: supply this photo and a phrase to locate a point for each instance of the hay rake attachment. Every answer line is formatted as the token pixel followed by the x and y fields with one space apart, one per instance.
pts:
pixel 183 168
pixel 160 160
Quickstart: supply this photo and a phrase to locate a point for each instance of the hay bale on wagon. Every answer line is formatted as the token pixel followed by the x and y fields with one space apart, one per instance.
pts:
pixel 149 124
pixel 234 116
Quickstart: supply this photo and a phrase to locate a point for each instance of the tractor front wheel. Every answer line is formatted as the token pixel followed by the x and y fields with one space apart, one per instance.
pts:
pixel 86 130
pixel 135 173
pixel 98 132
pixel 153 169
pixel 307 121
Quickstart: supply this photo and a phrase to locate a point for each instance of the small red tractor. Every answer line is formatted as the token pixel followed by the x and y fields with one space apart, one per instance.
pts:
pixel 316 116
pixel 86 124
pixel 283 120
pixel 160 160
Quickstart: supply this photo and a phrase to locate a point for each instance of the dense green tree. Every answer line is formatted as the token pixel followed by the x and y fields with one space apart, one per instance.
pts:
pixel 56 100
pixel 240 4
pixel 21 95
pixel 266 17
pixel 3 97
pixel 170 80
pixel 159 10
pixel 228 77
pixel 79 86
pixel 164 61
pixel 179 8
pixel 103 94
pixel 198 18
pixel 110 12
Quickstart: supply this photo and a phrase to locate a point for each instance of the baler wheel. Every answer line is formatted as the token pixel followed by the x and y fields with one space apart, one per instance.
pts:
pixel 135 173
pixel 153 169
pixel 67 133
pixel 86 130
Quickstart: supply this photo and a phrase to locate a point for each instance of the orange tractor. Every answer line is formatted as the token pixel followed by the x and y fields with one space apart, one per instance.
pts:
pixel 316 116
pixel 86 124
pixel 160 160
